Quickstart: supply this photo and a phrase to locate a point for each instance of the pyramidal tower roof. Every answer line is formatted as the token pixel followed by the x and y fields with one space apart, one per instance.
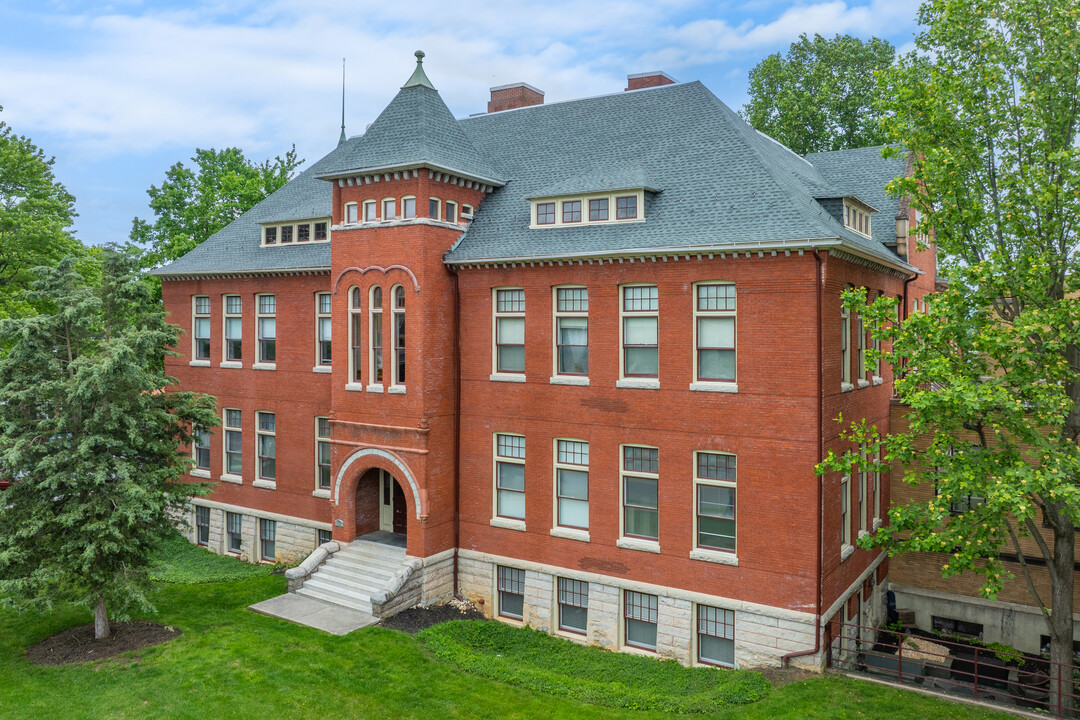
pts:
pixel 415 129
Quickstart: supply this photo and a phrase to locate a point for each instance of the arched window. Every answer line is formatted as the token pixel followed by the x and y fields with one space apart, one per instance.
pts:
pixel 356 356
pixel 399 335
pixel 376 335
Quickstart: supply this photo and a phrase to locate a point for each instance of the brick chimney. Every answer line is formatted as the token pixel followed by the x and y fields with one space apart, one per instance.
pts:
pixel 655 78
pixel 514 95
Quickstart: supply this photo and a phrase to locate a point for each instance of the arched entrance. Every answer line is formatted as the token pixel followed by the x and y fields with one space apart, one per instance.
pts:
pixel 380 504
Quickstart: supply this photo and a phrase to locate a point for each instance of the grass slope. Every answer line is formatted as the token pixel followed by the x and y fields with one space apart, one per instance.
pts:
pixel 178 561
pixel 232 663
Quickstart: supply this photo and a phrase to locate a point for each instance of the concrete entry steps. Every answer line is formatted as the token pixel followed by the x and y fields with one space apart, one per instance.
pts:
pixel 354 573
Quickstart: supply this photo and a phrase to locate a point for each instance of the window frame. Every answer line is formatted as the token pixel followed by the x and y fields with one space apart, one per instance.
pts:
pixel 376 357
pixel 389 208
pixel 862 492
pixel 548 212
pixel 323 314
pixel 227 316
pixel 270 431
pixel 723 623
pixel 397 322
pixel 567 465
pixel 450 213
pixel 234 531
pixel 700 315
pixel 202 523
pixel 845 347
pixel 350 214
pixel 434 208
pixel 323 536
pixel 574 592
pixel 558 315
pixel 370 211
pixel 571 211
pixel 267 537
pixel 405 214
pixel 619 211
pixel 497 316
pixel 845 512
pixel 356 333
pixel 700 481
pixel 624 315
pixel 322 442
pixel 500 459
pixel 630 601
pixel 541 213
pixel 230 431
pixel 508 582
pixel 264 342
pixel 200 316
pixel 198 433
pixel 626 473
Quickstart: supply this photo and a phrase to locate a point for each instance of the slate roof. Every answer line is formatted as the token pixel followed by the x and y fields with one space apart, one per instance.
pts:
pixel 863 172
pixel 712 181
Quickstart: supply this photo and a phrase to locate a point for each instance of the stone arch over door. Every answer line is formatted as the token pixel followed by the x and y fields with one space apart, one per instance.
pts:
pixel 365 458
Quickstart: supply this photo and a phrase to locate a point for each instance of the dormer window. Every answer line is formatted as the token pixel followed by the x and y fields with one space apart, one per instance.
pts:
pixel 626 208
pixel 307 231
pixel 320 231
pixel 589 209
pixel 271 236
pixel 571 211
pixel 303 232
pixel 286 234
pixel 598 209
pixel 545 214
pixel 857 218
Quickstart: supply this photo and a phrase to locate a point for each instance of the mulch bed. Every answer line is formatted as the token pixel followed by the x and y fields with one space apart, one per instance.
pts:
pixel 416 619
pixel 77 644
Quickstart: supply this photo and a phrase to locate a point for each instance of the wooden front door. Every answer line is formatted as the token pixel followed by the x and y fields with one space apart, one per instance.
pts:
pixel 399 508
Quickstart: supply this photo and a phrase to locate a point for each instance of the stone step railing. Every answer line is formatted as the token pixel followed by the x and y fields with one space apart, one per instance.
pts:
pixel 298 575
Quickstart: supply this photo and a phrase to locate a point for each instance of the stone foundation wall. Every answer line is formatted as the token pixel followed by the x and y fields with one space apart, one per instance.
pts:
pixel 295 538
pixel 763 634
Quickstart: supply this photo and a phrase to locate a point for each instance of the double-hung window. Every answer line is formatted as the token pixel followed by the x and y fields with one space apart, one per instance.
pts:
pixel 572 331
pixel 376 340
pixel 715 636
pixel 399 335
pixel 862 490
pixel 370 213
pixel 860 362
pixel 714 483
pixel 389 209
pixel 451 211
pixel 350 213
pixel 202 525
pixel 845 347
pixel 356 325
pixel 573 605
pixel 714 329
pixel 640 479
pixel 201 448
pixel 572 483
pixel 265 432
pixel 234 328
pixel 267 325
pixel 510 476
pixel 267 536
pixel 322 452
pixel 845 511
pixel 510 330
pixel 640 614
pixel 640 315
pixel 434 206
pixel 408 207
pixel 322 323
pixel 511 592
pixel 234 443
pixel 234 526
pixel 201 322
pixel 877 485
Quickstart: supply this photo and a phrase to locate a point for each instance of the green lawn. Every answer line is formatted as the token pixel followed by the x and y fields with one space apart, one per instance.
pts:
pixel 233 663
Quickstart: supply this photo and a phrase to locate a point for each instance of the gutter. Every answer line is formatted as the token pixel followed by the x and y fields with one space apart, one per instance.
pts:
pixel 819 267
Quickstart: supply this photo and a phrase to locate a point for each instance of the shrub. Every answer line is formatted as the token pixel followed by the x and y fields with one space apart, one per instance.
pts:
pixel 537 661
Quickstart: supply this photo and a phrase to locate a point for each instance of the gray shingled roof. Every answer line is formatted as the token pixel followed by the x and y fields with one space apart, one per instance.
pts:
pixel 863 172
pixel 722 182
pixel 415 128
pixel 713 181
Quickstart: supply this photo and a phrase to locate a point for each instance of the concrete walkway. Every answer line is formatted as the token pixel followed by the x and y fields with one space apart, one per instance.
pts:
pixel 334 619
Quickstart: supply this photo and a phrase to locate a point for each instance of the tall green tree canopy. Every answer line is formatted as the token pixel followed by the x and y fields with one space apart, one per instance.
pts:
pixel 36 213
pixel 822 95
pixel 91 436
pixel 193 203
pixel 990 107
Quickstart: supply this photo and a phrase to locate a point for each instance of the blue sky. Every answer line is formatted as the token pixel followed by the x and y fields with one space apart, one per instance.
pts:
pixel 119 91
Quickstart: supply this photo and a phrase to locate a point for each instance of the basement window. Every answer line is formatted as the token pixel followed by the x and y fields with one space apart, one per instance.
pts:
pixel 956 627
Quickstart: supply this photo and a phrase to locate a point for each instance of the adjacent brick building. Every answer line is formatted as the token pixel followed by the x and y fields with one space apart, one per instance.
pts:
pixel 584 356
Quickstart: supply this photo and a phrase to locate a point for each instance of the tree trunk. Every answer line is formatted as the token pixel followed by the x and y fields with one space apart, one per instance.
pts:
pixel 101 621
pixel 1061 618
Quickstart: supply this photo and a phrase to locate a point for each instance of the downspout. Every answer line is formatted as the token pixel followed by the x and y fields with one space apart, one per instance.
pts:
pixel 820 279
pixel 457 424
pixel 914 275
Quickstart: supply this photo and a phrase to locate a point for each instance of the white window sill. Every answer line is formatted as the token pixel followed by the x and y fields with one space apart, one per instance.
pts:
pixel 265 366
pixel 877 523
pixel 355 387
pixel 396 390
pixel 725 387
pixel 324 369
pixel 638 383
pixel 569 380
pixel 862 534
pixel 265 484
pixel 507 377
pixel 199 363
pixel 650 546
pixel 846 551
pixel 235 479
pixel 199 473
pixel 321 494
pixel 863 383
pixel 235 364
pixel 714 556
pixel 846 387
pixel 378 388
pixel 877 380
pixel 508 523
pixel 570 534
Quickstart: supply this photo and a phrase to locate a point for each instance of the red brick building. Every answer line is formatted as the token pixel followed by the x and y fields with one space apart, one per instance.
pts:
pixel 583 356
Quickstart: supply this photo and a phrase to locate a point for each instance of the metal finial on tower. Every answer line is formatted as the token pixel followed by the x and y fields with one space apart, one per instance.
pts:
pixel 342 138
pixel 419 78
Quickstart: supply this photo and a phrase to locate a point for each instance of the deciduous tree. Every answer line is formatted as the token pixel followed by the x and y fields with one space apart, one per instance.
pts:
pixel 90 433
